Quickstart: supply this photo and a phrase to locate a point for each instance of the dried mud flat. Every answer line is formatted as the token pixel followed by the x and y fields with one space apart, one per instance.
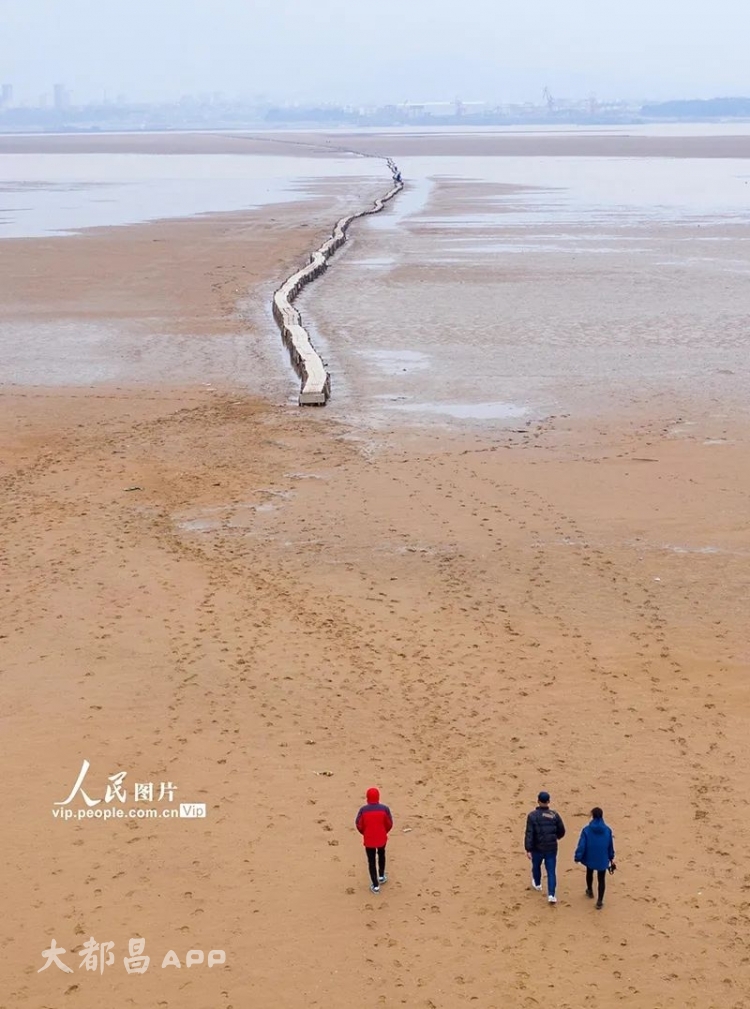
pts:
pixel 460 618
pixel 403 142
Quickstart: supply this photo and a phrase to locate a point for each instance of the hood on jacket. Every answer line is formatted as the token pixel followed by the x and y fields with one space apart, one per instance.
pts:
pixel 597 826
pixel 373 795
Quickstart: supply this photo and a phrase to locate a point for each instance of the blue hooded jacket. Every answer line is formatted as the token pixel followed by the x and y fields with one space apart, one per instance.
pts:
pixel 595 846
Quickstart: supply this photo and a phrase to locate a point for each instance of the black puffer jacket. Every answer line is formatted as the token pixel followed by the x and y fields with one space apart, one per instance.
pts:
pixel 544 828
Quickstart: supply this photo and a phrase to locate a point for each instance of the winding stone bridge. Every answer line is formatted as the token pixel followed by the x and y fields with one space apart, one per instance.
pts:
pixel 315 379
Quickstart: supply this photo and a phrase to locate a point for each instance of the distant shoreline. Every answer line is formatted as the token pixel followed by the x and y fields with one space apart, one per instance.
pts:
pixel 683 140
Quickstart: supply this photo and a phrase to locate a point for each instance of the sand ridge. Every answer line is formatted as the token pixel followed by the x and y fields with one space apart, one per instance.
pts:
pixel 402 142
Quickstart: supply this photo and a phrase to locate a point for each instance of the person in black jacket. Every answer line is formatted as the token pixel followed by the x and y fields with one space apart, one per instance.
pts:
pixel 544 828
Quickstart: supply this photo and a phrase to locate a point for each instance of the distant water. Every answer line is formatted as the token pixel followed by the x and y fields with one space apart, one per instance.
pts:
pixel 48 194
pixel 578 190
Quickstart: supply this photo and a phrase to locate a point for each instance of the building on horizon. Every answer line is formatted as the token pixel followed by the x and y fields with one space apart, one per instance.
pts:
pixel 62 97
pixel 6 96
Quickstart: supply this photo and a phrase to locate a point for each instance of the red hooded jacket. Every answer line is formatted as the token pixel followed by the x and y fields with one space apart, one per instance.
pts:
pixel 374 821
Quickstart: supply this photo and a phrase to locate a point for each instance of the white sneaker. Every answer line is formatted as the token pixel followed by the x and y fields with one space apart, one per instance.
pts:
pixel 534 884
pixel 382 879
pixel 375 889
pixel 552 900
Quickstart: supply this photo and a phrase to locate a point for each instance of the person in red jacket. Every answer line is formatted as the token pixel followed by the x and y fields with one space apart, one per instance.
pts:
pixel 374 822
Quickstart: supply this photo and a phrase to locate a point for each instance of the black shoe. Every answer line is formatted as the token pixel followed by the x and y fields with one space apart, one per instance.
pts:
pixel 589 892
pixel 599 905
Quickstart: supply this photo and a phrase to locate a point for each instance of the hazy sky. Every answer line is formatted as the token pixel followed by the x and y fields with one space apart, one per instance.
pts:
pixel 362 50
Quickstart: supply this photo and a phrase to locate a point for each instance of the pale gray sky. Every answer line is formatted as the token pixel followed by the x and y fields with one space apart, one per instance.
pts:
pixel 363 51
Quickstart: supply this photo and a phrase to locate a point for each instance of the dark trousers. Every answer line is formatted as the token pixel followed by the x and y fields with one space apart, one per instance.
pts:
pixel 371 852
pixel 601 881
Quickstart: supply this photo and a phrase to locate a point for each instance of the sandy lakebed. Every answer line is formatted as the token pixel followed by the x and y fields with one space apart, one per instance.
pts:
pixel 511 553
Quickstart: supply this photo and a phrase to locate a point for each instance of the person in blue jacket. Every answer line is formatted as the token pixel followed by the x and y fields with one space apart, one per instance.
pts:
pixel 597 852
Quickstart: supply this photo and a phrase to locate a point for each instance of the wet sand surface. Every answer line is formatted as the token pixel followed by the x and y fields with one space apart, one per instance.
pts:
pixel 170 301
pixel 541 300
pixel 604 278
pixel 275 608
